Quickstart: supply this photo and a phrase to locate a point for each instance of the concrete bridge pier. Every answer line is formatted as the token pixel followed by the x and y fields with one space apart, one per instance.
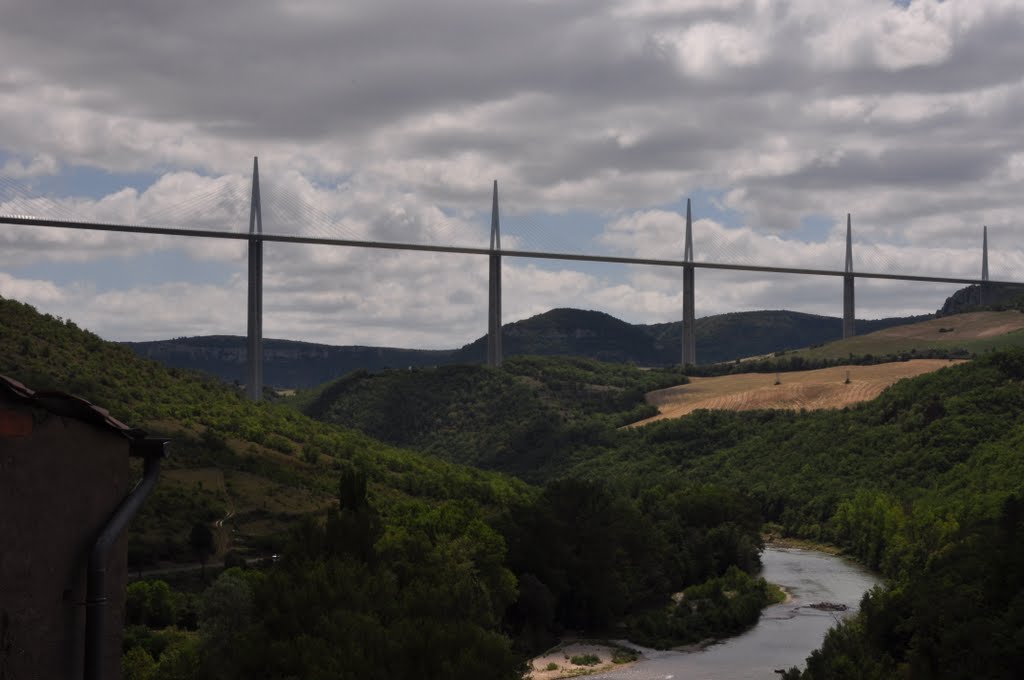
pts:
pixel 984 266
pixel 849 314
pixel 254 334
pixel 494 288
pixel 689 318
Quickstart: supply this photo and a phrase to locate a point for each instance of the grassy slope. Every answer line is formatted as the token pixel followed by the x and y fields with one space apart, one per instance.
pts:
pixel 725 337
pixel 823 388
pixel 267 463
pixel 975 332
pixel 948 440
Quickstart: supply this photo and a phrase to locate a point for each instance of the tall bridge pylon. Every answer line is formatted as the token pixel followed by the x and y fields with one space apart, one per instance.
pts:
pixel 984 253
pixel 849 313
pixel 254 335
pixel 256 237
pixel 983 296
pixel 689 313
pixel 494 288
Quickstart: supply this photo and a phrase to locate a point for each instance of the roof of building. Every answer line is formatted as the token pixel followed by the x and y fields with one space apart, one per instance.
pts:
pixel 68 406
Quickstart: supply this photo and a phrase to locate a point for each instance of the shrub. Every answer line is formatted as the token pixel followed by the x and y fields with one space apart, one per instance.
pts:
pixel 585 660
pixel 623 655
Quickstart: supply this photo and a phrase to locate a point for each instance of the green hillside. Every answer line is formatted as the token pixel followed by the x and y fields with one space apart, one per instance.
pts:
pixel 286 363
pixel 511 419
pixel 725 337
pixel 573 332
pixel 393 563
pixel 397 563
pixel 958 334
pixel 267 464
pixel 923 484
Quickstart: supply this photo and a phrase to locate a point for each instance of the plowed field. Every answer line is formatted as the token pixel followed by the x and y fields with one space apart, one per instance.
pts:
pixel 818 389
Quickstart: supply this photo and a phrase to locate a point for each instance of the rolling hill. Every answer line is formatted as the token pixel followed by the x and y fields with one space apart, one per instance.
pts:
pixel 286 363
pixel 266 465
pixel 559 332
pixel 822 388
pixel 970 332
pixel 509 419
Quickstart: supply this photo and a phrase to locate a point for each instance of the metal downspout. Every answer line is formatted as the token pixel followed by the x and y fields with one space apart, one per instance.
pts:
pixel 152 451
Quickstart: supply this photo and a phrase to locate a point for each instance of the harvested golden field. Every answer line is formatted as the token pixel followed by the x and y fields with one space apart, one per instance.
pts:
pixel 818 389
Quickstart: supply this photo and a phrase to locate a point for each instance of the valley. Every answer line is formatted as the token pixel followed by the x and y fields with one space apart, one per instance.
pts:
pixel 497 509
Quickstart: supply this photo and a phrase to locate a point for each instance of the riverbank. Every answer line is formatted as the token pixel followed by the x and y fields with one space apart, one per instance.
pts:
pixel 573 658
pixel 784 636
pixel 773 538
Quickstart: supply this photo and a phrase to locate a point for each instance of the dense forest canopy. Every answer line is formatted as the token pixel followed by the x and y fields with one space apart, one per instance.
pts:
pixel 477 570
pixel 922 484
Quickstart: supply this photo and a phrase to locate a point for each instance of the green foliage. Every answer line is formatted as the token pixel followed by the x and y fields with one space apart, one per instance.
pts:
pixel 914 483
pixel 959 617
pixel 427 602
pixel 169 654
pixel 423 562
pixel 584 660
pixel 514 419
pixel 150 603
pixel 726 337
pixel 213 426
pixel 587 554
pixel 137 664
pixel 717 608
pixel 809 360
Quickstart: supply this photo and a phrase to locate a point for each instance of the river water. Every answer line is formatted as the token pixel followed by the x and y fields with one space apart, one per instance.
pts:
pixel 786 633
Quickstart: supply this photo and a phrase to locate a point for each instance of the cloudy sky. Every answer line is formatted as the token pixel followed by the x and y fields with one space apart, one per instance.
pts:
pixel 389 119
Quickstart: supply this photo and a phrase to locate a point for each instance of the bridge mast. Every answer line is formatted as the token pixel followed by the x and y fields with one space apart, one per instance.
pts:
pixel 984 253
pixel 849 318
pixel 494 288
pixel 254 347
pixel 984 265
pixel 689 321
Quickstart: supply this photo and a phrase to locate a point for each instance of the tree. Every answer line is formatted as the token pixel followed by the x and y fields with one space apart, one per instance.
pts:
pixel 137 664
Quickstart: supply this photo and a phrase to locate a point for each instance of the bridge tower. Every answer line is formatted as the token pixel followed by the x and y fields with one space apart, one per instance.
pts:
pixel 254 346
pixel 984 266
pixel 984 253
pixel 494 288
pixel 689 320
pixel 849 318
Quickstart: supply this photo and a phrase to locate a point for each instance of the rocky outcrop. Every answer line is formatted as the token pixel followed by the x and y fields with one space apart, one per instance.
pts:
pixel 985 296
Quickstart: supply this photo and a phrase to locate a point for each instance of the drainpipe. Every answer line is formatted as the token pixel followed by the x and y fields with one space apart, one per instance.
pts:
pixel 152 451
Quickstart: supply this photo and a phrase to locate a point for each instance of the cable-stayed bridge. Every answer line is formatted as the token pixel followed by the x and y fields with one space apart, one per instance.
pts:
pixel 219 209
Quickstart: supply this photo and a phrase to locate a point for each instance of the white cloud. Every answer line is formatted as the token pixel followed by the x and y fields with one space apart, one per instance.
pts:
pixel 42 164
pixel 389 119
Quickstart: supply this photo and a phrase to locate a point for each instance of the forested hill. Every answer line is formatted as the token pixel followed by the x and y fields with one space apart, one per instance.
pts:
pixel 991 296
pixel 266 463
pixel 574 332
pixel 286 363
pixel 392 564
pixel 925 484
pixel 724 337
pixel 563 332
pixel 509 419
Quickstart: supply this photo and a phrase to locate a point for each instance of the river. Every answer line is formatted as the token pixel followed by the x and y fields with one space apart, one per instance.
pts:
pixel 786 633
